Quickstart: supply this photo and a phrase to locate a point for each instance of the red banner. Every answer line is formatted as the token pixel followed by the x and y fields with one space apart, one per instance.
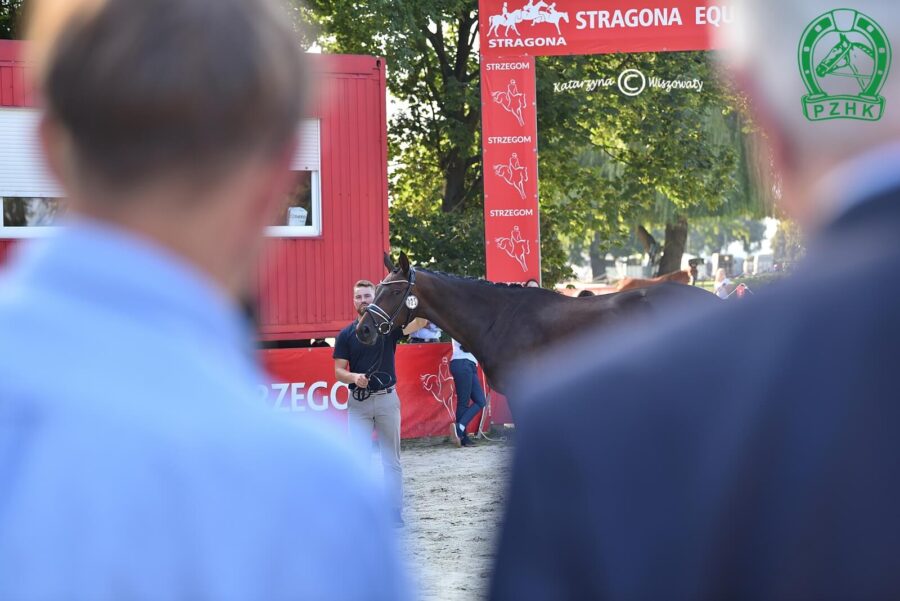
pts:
pixel 567 27
pixel 509 132
pixel 303 384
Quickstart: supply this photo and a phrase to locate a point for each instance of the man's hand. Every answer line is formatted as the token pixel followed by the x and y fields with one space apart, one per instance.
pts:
pixel 361 380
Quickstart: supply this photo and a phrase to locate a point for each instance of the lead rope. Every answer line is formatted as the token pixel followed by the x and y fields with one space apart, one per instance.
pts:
pixel 361 394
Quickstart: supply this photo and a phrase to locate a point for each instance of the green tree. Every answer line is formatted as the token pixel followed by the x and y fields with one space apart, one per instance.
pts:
pixel 607 161
pixel 788 245
pixel 432 70
pixel 715 234
pixel 658 159
pixel 10 13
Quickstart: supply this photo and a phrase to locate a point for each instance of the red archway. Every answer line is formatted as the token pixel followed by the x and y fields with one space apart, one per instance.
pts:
pixel 512 33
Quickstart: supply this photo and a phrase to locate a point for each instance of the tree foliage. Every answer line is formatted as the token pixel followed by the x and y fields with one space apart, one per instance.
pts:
pixel 714 234
pixel 10 14
pixel 656 159
pixel 432 71
pixel 788 246
pixel 607 161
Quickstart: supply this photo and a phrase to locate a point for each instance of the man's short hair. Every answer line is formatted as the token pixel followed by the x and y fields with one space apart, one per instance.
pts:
pixel 363 284
pixel 150 88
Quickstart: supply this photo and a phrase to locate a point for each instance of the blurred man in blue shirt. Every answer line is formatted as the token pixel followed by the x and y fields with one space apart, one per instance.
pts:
pixel 135 458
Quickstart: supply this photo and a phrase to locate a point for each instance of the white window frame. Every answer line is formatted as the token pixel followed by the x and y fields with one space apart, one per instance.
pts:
pixel 24 174
pixel 22 170
pixel 18 232
pixel 312 230
pixel 307 158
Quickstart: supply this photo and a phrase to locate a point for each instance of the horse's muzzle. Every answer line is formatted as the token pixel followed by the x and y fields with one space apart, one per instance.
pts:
pixel 365 333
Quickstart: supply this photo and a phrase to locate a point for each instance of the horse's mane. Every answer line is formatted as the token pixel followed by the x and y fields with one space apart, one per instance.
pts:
pixel 480 281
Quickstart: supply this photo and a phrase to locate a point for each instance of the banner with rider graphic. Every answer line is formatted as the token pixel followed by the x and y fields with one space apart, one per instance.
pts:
pixel 509 139
pixel 302 384
pixel 566 27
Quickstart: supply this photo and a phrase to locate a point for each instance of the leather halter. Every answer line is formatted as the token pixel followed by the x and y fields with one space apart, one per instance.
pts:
pixel 384 323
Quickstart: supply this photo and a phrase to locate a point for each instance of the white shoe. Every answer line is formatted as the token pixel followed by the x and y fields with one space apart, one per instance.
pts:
pixel 454 435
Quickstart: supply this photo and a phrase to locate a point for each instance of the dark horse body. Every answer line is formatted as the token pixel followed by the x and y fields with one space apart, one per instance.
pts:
pixel 501 324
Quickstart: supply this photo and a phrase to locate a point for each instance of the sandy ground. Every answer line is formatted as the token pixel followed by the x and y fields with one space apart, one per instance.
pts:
pixel 454 498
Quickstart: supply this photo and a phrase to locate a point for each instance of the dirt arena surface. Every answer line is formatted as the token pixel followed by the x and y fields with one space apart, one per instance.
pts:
pixel 453 500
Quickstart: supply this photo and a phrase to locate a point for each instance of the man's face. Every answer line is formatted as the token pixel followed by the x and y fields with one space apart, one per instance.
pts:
pixel 362 298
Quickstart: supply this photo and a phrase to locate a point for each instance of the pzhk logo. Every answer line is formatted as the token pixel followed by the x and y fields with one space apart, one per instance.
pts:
pixel 845 58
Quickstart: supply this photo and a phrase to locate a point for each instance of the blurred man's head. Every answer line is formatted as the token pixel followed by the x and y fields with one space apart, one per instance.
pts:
pixel 172 110
pixel 764 53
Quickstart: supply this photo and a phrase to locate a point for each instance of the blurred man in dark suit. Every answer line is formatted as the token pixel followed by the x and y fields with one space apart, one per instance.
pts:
pixel 630 481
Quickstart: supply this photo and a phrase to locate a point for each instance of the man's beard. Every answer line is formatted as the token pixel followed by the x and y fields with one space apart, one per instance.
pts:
pixel 361 310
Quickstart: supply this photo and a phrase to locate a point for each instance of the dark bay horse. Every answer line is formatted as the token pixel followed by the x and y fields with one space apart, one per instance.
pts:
pixel 499 323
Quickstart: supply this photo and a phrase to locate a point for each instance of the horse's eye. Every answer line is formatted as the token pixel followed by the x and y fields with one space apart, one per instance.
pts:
pixel 396 292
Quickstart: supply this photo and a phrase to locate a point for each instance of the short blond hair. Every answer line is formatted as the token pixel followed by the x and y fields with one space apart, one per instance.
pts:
pixel 363 284
pixel 150 88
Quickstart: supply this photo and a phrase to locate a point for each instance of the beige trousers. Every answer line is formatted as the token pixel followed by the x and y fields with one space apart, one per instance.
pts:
pixel 380 412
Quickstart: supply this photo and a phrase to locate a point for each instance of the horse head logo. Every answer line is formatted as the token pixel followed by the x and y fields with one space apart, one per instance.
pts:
pixel 847 44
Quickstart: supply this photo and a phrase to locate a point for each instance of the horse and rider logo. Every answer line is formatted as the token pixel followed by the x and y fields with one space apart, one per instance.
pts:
pixel 844 58
pixel 535 13
pixel 441 386
pixel 511 100
pixel 515 247
pixel 513 173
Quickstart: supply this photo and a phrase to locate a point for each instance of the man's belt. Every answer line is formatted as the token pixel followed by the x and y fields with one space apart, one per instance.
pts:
pixel 383 390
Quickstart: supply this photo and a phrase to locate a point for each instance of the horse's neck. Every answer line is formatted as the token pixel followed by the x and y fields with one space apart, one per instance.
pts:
pixel 466 310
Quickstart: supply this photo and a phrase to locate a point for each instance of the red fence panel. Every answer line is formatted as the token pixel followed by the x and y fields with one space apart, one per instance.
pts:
pixel 303 383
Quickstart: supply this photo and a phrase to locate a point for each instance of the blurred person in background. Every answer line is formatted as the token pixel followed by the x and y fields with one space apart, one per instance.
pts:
pixel 783 486
pixel 136 460
pixel 464 367
pixel 430 332
pixel 721 285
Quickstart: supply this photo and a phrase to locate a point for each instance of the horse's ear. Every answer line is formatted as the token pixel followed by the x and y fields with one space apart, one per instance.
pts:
pixel 404 262
pixel 388 263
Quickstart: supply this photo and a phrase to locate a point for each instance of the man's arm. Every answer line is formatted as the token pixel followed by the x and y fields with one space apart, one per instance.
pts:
pixel 416 324
pixel 343 374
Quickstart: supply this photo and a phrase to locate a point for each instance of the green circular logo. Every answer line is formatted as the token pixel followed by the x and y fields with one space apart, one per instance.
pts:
pixel 844 59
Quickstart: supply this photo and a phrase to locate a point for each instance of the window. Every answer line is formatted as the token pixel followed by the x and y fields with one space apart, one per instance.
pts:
pixel 22 215
pixel 32 203
pixel 302 212
pixel 29 196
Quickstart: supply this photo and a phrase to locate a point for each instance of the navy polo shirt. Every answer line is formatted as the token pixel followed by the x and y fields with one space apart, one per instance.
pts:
pixel 362 357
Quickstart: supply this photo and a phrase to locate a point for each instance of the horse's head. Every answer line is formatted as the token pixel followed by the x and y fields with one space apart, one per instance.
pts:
pixel 394 304
pixel 564 16
pixel 832 60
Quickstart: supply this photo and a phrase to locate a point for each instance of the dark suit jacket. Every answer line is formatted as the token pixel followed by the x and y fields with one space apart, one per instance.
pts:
pixel 751 453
